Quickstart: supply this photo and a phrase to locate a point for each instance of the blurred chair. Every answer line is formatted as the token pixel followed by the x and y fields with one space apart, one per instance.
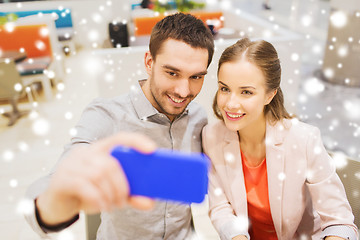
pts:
pixel 92 223
pixel 49 52
pixel 42 63
pixel 350 177
pixel 11 88
pixel 63 23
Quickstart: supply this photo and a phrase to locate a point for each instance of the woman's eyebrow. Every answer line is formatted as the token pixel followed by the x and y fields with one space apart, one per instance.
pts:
pixel 242 87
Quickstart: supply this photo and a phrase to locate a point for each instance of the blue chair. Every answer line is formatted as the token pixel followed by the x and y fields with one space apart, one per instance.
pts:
pixel 64 16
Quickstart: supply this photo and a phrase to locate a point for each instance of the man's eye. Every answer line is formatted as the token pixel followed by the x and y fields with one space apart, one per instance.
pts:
pixel 197 77
pixel 172 74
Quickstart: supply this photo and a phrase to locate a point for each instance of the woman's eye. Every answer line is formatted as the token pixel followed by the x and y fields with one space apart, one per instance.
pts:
pixel 247 92
pixel 224 89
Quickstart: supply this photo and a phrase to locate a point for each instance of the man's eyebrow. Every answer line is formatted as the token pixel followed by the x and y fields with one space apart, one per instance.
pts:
pixel 169 67
pixel 200 73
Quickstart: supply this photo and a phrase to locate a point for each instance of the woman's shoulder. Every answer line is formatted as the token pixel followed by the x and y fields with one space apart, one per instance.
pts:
pixel 294 130
pixel 214 132
pixel 214 127
pixel 295 125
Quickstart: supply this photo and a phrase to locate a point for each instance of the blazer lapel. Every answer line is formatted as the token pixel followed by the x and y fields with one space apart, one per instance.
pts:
pixel 235 174
pixel 275 171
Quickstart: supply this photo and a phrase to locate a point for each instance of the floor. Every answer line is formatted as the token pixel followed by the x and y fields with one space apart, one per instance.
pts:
pixel 30 148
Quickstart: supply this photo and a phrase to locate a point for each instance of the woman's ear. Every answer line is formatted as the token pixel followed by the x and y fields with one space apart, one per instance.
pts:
pixel 148 62
pixel 270 96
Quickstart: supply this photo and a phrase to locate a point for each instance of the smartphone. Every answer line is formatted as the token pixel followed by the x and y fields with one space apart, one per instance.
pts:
pixel 165 174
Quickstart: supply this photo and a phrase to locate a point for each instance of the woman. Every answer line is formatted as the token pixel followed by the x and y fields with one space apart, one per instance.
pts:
pixel 271 176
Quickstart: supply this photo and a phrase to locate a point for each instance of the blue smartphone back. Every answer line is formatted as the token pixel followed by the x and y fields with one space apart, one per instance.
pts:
pixel 165 174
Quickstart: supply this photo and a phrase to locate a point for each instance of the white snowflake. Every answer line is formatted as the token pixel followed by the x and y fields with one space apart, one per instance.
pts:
pixel 357 175
pixel 13 183
pixel 229 157
pixel 352 108
pixel 282 176
pixel 302 98
pixel 23 146
pixel 295 57
pixel 339 160
pixel 8 155
pixel 355 193
pixel 343 51
pixel 316 49
pixel 306 20
pixel 313 86
pixel 309 174
pixel 60 86
pixel 304 237
pixel 72 132
pixel 41 126
pixel 317 150
pixel 109 77
pixel 338 19
pixel 218 191
pixel 25 207
pixel 68 115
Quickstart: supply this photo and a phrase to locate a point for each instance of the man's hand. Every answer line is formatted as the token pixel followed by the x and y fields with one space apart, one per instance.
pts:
pixel 90 179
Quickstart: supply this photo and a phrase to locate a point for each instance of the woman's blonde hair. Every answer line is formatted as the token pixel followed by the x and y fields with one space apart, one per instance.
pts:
pixel 262 54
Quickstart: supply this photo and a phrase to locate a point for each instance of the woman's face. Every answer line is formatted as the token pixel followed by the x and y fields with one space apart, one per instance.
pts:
pixel 242 94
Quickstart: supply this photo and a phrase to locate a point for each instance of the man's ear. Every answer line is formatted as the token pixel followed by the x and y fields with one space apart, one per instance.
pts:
pixel 270 96
pixel 148 62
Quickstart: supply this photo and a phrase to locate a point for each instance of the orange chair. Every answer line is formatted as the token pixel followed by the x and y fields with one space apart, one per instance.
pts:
pixel 144 25
pixel 35 41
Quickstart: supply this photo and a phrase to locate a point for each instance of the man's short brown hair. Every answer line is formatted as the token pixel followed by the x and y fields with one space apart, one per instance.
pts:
pixel 185 28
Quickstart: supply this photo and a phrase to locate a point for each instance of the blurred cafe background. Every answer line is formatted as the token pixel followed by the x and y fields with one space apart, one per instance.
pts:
pixel 56 56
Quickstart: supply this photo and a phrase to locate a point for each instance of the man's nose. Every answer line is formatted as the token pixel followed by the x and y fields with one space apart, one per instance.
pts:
pixel 182 88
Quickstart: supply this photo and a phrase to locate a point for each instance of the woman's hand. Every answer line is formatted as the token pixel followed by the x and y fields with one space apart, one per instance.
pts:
pixel 240 237
pixel 334 238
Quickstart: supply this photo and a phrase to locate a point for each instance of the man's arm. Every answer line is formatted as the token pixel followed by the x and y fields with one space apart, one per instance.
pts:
pixel 89 179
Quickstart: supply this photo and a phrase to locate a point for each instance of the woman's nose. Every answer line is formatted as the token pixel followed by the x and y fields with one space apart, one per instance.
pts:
pixel 233 102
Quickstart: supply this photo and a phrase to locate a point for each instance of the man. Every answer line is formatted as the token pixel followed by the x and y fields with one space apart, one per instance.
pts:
pixel 87 178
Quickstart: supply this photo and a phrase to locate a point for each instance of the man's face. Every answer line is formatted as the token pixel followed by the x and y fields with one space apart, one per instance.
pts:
pixel 175 77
